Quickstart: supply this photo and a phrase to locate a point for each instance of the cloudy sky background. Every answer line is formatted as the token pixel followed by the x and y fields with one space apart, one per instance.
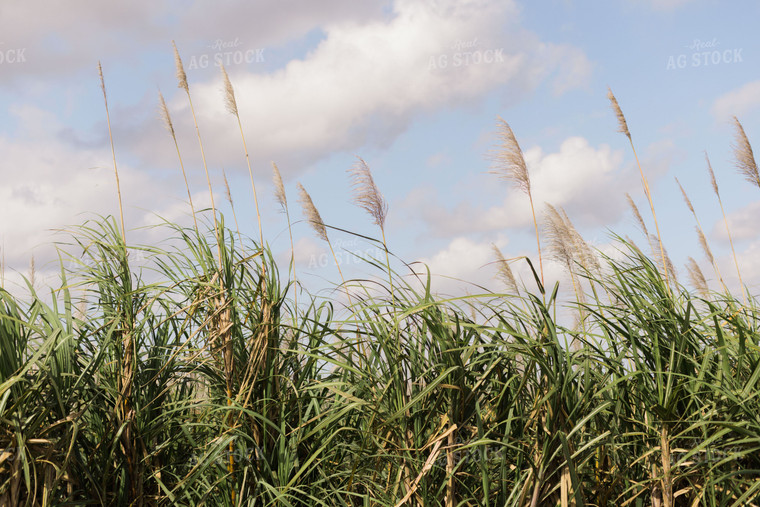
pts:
pixel 415 88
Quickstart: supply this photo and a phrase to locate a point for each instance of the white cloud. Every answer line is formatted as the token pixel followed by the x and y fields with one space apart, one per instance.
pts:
pixel 749 264
pixel 48 185
pixel 737 102
pixel 460 258
pixel 742 223
pixel 460 265
pixel 580 178
pixel 66 36
pixel 587 182
pixel 466 266
pixel 664 5
pixel 365 82
pixel 310 255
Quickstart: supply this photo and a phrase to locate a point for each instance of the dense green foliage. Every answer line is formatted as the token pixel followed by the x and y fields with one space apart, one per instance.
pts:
pixel 401 396
pixel 189 373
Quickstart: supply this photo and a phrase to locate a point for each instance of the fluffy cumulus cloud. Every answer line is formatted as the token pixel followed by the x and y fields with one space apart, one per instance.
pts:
pixel 588 182
pixel 49 185
pixel 742 223
pixel 749 263
pixel 469 266
pixel 462 265
pixel 309 254
pixel 737 102
pixel 460 258
pixel 60 38
pixel 363 72
pixel 365 82
pixel 584 180
pixel 748 259
pixel 57 39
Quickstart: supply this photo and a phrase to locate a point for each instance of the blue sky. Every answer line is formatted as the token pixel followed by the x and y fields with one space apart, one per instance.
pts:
pixel 415 88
